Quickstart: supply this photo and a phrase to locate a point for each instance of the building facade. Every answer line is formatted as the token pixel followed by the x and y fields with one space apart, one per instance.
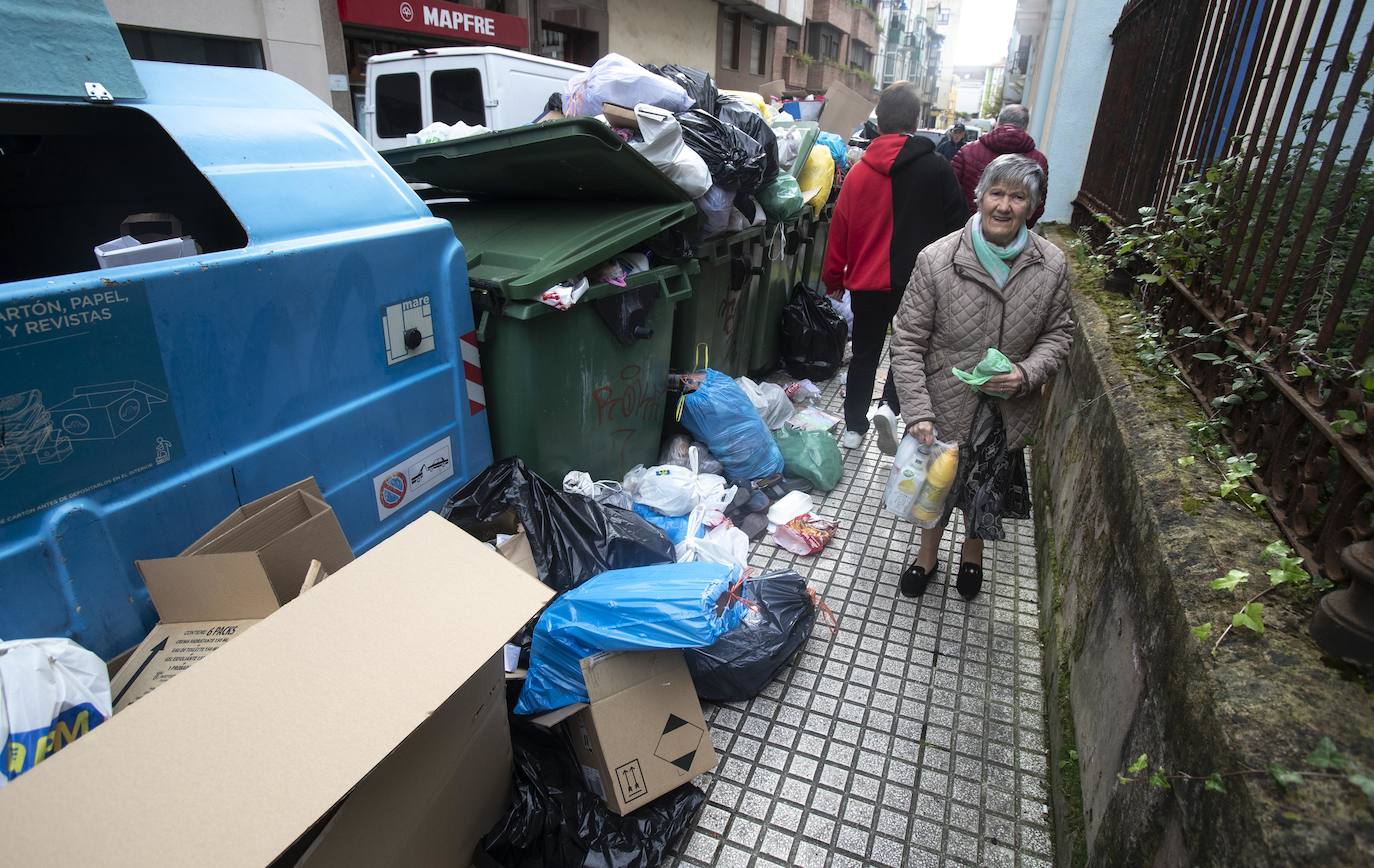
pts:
pixel 1063 96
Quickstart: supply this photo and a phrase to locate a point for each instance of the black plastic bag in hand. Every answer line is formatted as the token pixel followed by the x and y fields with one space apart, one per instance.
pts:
pixel 813 336
pixel 572 537
pixel 697 83
pixel 555 821
pixel 747 119
pixel 745 660
pixel 735 160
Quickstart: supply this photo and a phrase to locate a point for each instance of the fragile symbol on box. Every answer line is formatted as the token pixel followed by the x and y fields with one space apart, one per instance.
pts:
pixel 406 481
pixel 679 742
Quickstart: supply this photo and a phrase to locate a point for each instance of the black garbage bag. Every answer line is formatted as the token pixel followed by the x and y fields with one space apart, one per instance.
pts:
pixel 571 537
pixel 742 662
pixel 813 336
pixel 742 115
pixel 735 160
pixel 556 821
pixel 627 314
pixel 697 83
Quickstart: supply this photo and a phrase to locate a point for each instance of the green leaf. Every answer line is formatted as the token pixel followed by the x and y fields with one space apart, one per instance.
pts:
pixel 1214 783
pixel 1187 461
pixel 1326 756
pixel 1302 371
pixel 1207 357
pixel 1122 779
pixel 1226 488
pixel 1282 776
pixel 1241 466
pixel 1322 583
pixel 1139 765
pixel 1277 549
pixel 1278 577
pixel 1256 499
pixel 1229 581
pixel 1158 780
pixel 1203 632
pixel 1364 782
pixel 1251 618
pixel 1153 279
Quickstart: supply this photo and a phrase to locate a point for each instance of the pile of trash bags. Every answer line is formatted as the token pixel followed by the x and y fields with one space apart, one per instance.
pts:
pixel 728 150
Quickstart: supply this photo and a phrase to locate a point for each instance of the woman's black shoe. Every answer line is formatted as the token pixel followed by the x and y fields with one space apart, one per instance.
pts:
pixel 914 579
pixel 970 580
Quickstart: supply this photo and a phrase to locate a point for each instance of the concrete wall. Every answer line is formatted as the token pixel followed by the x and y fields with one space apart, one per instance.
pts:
pixel 650 31
pixel 291 31
pixel 1079 70
pixel 1128 543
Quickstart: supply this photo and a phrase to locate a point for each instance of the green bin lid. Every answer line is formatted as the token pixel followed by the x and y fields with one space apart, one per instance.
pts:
pixel 811 131
pixel 55 49
pixel 578 159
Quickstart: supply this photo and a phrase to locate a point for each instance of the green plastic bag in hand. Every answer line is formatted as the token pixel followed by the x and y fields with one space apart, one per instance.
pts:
pixel 811 455
pixel 992 364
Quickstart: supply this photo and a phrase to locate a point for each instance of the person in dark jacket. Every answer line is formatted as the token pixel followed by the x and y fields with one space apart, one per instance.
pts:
pixel 900 197
pixel 952 142
pixel 1008 137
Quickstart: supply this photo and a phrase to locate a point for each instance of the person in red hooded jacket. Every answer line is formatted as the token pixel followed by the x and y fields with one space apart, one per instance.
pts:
pixel 900 197
pixel 1008 137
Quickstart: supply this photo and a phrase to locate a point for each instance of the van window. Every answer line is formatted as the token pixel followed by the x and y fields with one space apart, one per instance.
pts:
pixel 398 105
pixel 72 174
pixel 457 96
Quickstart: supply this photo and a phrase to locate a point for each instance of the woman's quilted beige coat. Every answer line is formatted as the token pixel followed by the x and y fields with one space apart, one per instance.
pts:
pixel 953 311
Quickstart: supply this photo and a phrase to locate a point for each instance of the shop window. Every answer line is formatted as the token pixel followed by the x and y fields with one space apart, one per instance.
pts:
pixel 457 96
pixel 398 105
pixel 61 201
pixel 172 47
pixel 729 42
pixel 758 49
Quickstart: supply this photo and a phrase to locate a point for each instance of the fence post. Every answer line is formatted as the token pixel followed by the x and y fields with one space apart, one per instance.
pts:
pixel 1344 623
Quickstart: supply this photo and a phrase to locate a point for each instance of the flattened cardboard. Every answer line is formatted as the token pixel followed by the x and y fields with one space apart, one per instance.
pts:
pixel 517 551
pixel 643 733
pixel 620 116
pixel 772 88
pixel 844 110
pixel 230 762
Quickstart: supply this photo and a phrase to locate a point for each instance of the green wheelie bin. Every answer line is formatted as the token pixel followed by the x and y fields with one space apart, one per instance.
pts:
pixel 718 315
pixel 536 206
pixel 784 248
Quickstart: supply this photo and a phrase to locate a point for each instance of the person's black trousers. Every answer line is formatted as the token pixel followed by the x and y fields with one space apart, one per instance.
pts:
pixel 873 313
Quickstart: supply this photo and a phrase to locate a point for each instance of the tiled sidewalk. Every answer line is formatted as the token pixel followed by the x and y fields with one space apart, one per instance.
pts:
pixel 914 737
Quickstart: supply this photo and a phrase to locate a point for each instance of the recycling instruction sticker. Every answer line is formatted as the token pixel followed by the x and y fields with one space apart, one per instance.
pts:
pixel 83 396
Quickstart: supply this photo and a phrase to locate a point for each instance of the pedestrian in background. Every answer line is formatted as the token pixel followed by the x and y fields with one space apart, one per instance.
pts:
pixel 991 284
pixel 1008 137
pixel 898 199
pixel 952 141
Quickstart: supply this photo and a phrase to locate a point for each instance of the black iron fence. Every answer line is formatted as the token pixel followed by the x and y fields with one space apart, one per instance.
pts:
pixel 1243 129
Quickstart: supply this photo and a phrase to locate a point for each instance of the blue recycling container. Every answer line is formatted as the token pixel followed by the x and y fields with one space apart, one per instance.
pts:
pixel 317 322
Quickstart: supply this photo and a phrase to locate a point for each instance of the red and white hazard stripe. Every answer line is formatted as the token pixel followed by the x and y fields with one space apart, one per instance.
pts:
pixel 472 373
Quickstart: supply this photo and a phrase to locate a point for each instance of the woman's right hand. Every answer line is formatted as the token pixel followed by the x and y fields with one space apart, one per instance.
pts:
pixel 924 432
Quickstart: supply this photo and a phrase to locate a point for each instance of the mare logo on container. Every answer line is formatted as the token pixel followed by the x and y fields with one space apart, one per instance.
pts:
pixel 411 478
pixel 83 396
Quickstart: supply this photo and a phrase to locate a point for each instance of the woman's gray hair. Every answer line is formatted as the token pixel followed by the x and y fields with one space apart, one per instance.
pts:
pixel 1014 170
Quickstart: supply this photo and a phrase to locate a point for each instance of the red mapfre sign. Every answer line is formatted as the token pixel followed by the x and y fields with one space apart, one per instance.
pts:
pixel 438 18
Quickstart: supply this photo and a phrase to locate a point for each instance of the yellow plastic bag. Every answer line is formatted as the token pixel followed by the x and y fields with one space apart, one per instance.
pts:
pixel 755 100
pixel 817 177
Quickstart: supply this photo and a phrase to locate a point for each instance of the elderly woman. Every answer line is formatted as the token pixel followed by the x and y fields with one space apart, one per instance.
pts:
pixel 991 284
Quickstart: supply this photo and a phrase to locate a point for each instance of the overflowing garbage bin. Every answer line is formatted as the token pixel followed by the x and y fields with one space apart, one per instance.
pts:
pixel 285 308
pixel 720 312
pixel 574 349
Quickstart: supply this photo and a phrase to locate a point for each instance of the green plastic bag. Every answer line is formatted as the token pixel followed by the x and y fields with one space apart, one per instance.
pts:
pixel 993 363
pixel 781 198
pixel 810 455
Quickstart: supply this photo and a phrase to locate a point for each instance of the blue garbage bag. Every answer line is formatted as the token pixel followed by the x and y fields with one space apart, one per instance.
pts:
pixel 839 148
pixel 720 415
pixel 673 526
pixel 640 609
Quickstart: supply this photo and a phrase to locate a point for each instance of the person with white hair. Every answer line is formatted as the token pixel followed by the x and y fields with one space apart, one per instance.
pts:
pixel 1008 137
pixel 991 284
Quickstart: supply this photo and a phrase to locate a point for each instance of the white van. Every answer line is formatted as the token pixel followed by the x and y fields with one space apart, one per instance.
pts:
pixel 495 87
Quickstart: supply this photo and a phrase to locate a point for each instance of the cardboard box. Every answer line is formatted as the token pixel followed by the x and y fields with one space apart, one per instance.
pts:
pixel 844 110
pixel 331 717
pixel 241 571
pixel 620 116
pixel 643 733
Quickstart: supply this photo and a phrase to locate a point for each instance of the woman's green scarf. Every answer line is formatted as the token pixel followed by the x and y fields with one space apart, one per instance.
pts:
pixel 993 258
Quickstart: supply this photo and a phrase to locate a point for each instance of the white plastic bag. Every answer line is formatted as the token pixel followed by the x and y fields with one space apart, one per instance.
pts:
pixel 942 467
pixel 619 80
pixel 806 534
pixel 663 146
pixel 673 490
pixel 907 476
pixel 723 544
pixel 52 691
pixel 844 307
pixel 774 407
pixel 442 132
pixel 715 207
pixel 606 492
pixel 803 391
pixel 789 506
